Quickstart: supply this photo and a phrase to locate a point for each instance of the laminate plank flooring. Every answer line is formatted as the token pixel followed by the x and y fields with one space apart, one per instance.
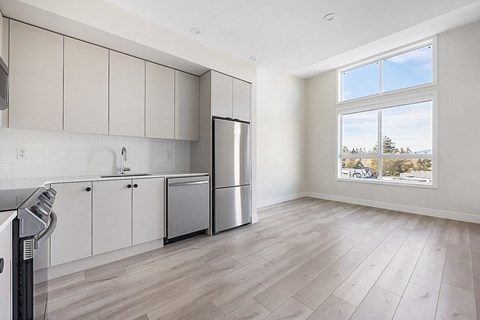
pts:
pixel 304 259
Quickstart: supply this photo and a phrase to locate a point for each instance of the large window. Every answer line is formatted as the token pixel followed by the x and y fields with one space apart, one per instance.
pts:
pixel 401 70
pixel 392 143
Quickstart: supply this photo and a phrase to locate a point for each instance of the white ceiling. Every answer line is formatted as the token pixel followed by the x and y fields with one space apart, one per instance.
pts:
pixel 286 36
pixel 291 36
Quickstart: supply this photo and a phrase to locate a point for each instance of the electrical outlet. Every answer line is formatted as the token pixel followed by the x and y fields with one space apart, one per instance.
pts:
pixel 21 154
pixel 325 181
pixel 169 155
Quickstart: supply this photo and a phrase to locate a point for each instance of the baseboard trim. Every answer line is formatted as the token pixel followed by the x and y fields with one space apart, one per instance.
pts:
pixel 271 202
pixel 95 261
pixel 460 216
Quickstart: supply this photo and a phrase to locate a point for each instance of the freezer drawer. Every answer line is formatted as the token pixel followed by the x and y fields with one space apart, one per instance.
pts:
pixel 188 205
pixel 231 153
pixel 233 207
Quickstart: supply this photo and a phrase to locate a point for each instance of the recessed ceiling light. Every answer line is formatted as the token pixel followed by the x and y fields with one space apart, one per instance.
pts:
pixel 252 58
pixel 430 27
pixel 195 31
pixel 329 16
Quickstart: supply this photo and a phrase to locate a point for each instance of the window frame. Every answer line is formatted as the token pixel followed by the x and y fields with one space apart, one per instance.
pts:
pixel 379 104
pixel 386 55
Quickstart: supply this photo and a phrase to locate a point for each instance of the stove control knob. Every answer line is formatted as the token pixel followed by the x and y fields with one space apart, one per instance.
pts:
pixel 51 192
pixel 43 209
pixel 45 200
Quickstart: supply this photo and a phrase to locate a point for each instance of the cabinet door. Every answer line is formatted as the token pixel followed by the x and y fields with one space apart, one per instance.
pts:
pixel 112 215
pixel 221 95
pixel 36 78
pixel 159 103
pixel 148 210
pixel 127 95
pixel 241 100
pixel 85 87
pixel 4 23
pixel 6 275
pixel 72 239
pixel 187 106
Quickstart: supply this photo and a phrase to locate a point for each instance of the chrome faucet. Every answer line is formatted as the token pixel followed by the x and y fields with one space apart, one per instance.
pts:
pixel 123 168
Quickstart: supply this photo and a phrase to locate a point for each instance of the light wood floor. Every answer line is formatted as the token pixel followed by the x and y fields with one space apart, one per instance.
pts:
pixel 305 259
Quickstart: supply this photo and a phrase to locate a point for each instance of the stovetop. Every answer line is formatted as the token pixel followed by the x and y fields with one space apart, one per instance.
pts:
pixel 14 198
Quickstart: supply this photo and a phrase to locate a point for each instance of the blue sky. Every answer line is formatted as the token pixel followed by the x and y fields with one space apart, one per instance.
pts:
pixel 405 70
pixel 409 125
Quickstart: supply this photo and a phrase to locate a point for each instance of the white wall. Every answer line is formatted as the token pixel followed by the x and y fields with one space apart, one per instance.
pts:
pixel 56 154
pixel 457 194
pixel 281 137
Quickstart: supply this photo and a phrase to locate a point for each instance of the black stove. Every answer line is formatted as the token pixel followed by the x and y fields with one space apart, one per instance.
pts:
pixel 32 227
pixel 13 199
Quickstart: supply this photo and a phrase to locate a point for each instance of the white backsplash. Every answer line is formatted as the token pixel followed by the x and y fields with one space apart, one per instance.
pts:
pixel 56 154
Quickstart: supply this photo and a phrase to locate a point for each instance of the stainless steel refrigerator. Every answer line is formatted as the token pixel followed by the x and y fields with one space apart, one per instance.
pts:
pixel 232 196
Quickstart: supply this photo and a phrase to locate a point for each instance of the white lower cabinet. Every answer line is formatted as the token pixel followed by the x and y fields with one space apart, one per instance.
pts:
pixel 148 210
pixel 72 239
pixel 112 215
pixel 6 274
pixel 96 217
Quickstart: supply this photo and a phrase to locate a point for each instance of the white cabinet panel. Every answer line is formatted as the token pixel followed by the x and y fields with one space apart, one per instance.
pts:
pixel 5 23
pixel 222 87
pixel 148 210
pixel 85 87
pixel 159 103
pixel 72 239
pixel 187 106
pixel 127 95
pixel 6 275
pixel 112 215
pixel 36 78
pixel 241 100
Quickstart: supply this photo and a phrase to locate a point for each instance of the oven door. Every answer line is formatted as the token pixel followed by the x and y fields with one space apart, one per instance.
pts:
pixel 40 272
pixel 30 286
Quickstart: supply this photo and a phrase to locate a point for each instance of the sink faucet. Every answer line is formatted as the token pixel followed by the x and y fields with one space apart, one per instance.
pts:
pixel 123 168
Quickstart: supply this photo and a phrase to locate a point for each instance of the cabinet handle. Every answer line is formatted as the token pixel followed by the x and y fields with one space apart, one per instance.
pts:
pixel 88 189
pixel 135 185
pixel 2 264
pixel 129 186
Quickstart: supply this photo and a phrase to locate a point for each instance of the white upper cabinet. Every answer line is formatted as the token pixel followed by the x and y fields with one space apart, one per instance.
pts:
pixel 230 97
pixel 127 95
pixel 159 102
pixel 187 106
pixel 36 78
pixel 222 87
pixel 241 100
pixel 85 87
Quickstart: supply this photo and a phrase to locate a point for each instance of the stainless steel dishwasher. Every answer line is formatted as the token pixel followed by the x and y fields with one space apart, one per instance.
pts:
pixel 188 207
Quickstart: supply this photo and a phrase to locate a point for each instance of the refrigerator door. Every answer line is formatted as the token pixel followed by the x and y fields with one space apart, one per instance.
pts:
pixel 231 153
pixel 233 207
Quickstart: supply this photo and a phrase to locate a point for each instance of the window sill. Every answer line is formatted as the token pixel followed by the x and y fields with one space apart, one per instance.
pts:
pixel 387 183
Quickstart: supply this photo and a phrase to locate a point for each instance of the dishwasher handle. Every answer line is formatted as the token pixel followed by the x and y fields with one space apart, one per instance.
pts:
pixel 179 184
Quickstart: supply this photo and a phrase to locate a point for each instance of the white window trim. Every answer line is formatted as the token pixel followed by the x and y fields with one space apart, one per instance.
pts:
pixel 377 58
pixel 417 96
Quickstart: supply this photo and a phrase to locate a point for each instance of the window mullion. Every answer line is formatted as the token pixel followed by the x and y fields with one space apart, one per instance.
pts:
pixel 380 145
pixel 380 75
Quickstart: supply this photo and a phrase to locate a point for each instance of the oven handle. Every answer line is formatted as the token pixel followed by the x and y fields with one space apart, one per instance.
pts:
pixel 40 238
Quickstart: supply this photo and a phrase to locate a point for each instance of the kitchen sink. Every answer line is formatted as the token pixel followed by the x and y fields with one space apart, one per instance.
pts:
pixel 126 175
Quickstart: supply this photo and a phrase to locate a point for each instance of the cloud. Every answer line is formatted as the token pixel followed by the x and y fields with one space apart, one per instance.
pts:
pixel 422 54
pixel 408 126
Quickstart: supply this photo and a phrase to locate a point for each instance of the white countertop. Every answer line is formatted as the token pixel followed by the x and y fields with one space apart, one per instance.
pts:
pixel 5 218
pixel 41 181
